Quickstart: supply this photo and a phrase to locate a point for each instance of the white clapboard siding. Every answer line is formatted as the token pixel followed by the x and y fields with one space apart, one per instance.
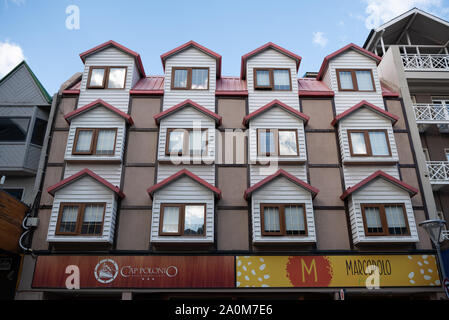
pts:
pixel 354 174
pixel 277 118
pixel 114 58
pixel 187 118
pixel 380 191
pixel 184 190
pixel 282 190
pixel 271 58
pixel 191 57
pixel 346 99
pixel 205 172
pixel 97 118
pixel 258 172
pixel 365 119
pixel 84 190
pixel 110 172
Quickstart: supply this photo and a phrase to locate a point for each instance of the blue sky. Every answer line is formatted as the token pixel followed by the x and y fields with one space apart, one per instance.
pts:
pixel 37 29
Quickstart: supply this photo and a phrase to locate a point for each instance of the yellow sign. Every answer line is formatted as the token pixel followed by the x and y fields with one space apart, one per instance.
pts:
pixel 337 271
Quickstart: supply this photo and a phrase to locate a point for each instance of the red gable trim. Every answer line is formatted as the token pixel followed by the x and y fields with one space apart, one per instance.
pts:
pixel 375 175
pixel 184 172
pixel 263 48
pixel 306 93
pixel 387 92
pixel 189 44
pixel 365 104
pixel 275 103
pixel 350 46
pixel 284 174
pixel 187 103
pixel 68 117
pixel 85 172
pixel 109 43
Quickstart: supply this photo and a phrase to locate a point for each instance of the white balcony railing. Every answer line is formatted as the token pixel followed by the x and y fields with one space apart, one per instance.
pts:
pixel 444 235
pixel 438 172
pixel 431 113
pixel 425 62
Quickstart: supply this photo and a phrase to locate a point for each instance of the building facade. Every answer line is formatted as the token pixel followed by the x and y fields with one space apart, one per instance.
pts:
pixel 198 184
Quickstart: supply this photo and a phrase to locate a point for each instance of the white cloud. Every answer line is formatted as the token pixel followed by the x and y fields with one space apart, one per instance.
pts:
pixel 17 2
pixel 319 38
pixel 381 11
pixel 11 55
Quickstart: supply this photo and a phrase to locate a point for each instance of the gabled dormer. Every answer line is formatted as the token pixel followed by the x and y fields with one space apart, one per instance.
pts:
pixel 191 72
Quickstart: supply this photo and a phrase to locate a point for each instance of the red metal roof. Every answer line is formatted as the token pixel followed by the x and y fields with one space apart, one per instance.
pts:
pixel 231 86
pixel 182 173
pixel 269 45
pixel 85 172
pixel 95 104
pixel 189 44
pixel 308 87
pixel 387 92
pixel 286 175
pixel 112 43
pixel 187 103
pixel 151 85
pixel 272 104
pixel 350 46
pixel 365 104
pixel 75 89
pixel 374 176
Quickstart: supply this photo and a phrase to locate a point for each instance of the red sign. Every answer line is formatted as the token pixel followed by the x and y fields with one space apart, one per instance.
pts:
pixel 135 271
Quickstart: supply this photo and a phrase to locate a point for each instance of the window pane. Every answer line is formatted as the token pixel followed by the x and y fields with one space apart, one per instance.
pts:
pixel 200 78
pixel 84 141
pixel 197 141
pixel 266 140
pixel 364 80
pixel 271 219
pixel 116 77
pixel 379 145
pixel 358 143
pixel 180 80
pixel 96 77
pixel 194 220
pixel 68 219
pixel 171 220
pixel 263 78
pixel 13 129
pixel 92 219
pixel 346 80
pixel 176 141
pixel 395 220
pixel 39 132
pixel 373 222
pixel 105 141
pixel 288 143
pixel 281 79
pixel 16 193
pixel 294 220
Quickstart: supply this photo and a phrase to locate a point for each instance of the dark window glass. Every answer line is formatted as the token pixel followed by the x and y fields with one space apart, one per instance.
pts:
pixel 16 193
pixel 14 129
pixel 39 132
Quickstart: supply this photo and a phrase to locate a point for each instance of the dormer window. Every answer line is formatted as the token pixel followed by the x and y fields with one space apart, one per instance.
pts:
pixel 106 78
pixel 182 219
pixel 355 80
pixel 283 220
pixel 272 79
pixel 282 142
pixel 186 142
pixel 89 141
pixel 190 79
pixel 385 220
pixel 369 143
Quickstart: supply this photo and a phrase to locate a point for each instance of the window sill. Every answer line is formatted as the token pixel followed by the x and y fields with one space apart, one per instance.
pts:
pixel 176 240
pixel 264 240
pixel 386 240
pixel 93 159
pixel 281 160
pixel 371 161
pixel 74 239
pixel 187 160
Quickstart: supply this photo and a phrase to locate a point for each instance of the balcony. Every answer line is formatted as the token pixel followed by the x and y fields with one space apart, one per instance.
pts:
pixel 425 62
pixel 438 173
pixel 444 235
pixel 431 113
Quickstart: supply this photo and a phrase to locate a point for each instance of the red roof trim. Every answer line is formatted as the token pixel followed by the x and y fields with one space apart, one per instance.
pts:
pixel 187 103
pixel 232 93
pixel 363 104
pixel 189 44
pixel 184 172
pixel 51 190
pixel 305 93
pixel 286 175
pixel 390 94
pixel 146 92
pixel 375 175
pixel 109 43
pixel 263 48
pixel 95 104
pixel 340 51
pixel 275 103
pixel 71 92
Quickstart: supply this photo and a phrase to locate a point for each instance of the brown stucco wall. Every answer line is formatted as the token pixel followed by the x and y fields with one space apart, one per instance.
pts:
pixel 53 175
pixel 232 181
pixel 134 230
pixel 395 107
pixel 409 176
pixel 233 111
pixel 320 113
pixel 328 181
pixel 424 240
pixel 404 148
pixel 58 146
pixel 141 147
pixel 322 148
pixel 40 234
pixel 232 230
pixel 66 105
pixel 136 182
pixel 331 230
pixel 143 110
